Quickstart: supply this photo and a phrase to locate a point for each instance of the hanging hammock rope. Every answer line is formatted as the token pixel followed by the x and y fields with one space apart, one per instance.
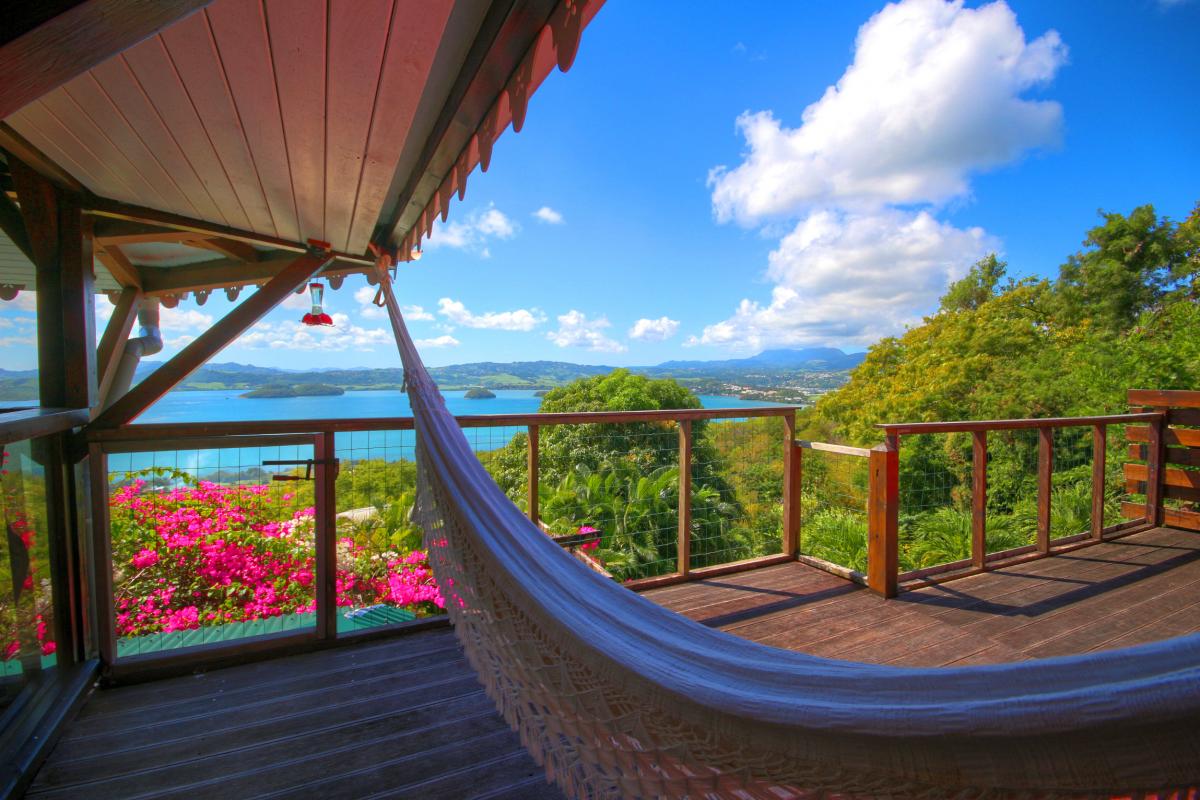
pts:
pixel 619 698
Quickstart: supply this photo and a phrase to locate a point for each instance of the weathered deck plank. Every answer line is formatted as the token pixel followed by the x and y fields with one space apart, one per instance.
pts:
pixel 1130 590
pixel 401 718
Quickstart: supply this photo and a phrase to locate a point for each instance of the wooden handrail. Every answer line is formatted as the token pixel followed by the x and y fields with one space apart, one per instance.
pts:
pixel 176 430
pixel 860 452
pixel 970 426
pixel 33 423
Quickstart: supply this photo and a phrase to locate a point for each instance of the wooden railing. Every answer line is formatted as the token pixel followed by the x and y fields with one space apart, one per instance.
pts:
pixel 884 576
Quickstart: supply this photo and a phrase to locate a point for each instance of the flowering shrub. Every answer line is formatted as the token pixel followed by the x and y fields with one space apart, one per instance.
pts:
pixel 25 608
pixel 206 554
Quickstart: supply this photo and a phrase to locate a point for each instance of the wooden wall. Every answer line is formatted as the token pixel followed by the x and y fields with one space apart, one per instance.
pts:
pixel 1178 478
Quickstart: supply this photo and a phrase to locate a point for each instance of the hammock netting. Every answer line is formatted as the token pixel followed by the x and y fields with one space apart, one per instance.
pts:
pixel 619 698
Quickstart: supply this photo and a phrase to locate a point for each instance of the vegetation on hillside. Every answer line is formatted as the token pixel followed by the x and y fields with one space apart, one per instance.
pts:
pixel 1123 312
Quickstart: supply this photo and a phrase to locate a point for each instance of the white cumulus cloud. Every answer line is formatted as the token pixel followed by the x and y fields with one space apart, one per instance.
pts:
pixel 934 93
pixel 521 319
pixel 365 298
pixel 548 215
pixel 438 341
pixel 654 330
pixel 576 330
pixel 288 335
pixel 473 232
pixel 852 279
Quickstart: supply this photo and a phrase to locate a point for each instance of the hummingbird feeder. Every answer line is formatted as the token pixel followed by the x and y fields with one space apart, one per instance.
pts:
pixel 317 316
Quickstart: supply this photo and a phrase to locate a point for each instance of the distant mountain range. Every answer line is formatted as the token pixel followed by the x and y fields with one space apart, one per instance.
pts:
pixel 819 368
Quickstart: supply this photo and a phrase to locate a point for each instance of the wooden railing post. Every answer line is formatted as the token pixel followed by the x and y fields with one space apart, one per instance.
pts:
pixel 326 534
pixel 683 547
pixel 1045 473
pixel 979 488
pixel 532 464
pixel 1154 471
pixel 1099 455
pixel 792 465
pixel 883 515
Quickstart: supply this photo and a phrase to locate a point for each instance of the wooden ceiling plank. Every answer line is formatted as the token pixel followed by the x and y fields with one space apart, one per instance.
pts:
pixel 240 32
pixel 194 54
pixel 81 147
pixel 417 30
pixel 155 72
pixel 119 266
pixel 212 341
pixel 87 92
pixel 357 35
pixel 93 139
pixel 297 38
pixel 73 42
pixel 119 83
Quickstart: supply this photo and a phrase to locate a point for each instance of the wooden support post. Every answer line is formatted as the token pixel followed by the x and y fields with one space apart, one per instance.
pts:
pixel 101 596
pixel 1099 454
pixel 684 544
pixel 324 453
pixel 883 518
pixel 532 465
pixel 791 487
pixel 1045 486
pixel 61 242
pixel 979 489
pixel 211 341
pixel 112 343
pixel 1154 471
pixel 14 226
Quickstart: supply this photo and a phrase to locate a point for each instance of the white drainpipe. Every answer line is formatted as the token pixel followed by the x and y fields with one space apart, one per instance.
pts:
pixel 146 343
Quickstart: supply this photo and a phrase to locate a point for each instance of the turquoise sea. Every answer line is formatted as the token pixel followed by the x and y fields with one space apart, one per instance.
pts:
pixel 228 406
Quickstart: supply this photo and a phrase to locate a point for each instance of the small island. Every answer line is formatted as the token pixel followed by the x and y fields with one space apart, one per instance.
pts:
pixel 479 393
pixel 295 390
pixel 541 393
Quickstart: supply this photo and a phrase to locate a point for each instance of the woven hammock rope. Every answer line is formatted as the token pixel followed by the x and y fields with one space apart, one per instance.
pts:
pixel 619 698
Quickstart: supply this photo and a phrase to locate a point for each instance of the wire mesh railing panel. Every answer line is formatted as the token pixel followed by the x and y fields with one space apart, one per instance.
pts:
pixel 504 452
pixel 935 500
pixel 737 490
pixel 209 545
pixel 26 594
pixel 383 574
pixel 1071 482
pixel 833 508
pixel 1012 512
pixel 619 483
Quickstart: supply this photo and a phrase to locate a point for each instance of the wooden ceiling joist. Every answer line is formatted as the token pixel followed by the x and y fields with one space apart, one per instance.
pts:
pixel 114 210
pixel 124 271
pixel 230 248
pixel 66 45
pixel 158 281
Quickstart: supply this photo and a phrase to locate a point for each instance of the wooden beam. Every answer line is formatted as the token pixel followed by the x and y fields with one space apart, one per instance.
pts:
pixel 230 248
pixel 883 518
pixel 112 343
pixel 119 266
pixel 71 43
pixel 979 490
pixel 225 272
pixel 683 550
pixel 14 226
pixel 325 498
pixel 1154 471
pixel 507 32
pixel 20 148
pixel 114 209
pixel 1045 487
pixel 211 341
pixel 61 244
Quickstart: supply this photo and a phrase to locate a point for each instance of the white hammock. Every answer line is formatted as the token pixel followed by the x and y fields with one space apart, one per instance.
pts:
pixel 620 698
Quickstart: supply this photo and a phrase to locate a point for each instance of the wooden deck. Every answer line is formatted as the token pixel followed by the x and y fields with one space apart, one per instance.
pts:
pixel 403 718
pixel 1128 591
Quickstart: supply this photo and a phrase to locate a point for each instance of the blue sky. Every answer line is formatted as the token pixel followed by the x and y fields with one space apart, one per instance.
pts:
pixel 692 208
